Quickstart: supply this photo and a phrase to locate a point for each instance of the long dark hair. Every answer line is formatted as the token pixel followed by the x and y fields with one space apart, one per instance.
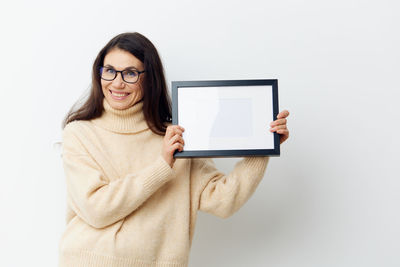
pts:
pixel 156 101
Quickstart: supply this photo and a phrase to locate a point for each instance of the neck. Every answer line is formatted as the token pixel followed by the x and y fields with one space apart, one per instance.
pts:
pixel 130 120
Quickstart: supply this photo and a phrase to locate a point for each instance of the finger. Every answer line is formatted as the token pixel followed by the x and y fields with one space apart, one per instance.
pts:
pixel 278 122
pixel 283 114
pixel 169 132
pixel 176 132
pixel 284 135
pixel 176 146
pixel 176 138
pixel 178 129
pixel 172 130
pixel 278 127
pixel 283 132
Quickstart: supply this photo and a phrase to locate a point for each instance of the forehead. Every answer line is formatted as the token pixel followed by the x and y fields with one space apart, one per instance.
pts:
pixel 121 59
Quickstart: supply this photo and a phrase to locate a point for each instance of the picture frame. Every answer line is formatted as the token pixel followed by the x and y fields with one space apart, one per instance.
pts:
pixel 226 118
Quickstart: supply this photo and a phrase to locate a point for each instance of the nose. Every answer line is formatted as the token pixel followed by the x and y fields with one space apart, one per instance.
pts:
pixel 118 82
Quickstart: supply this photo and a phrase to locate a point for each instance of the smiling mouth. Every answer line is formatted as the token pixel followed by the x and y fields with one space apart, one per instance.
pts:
pixel 117 96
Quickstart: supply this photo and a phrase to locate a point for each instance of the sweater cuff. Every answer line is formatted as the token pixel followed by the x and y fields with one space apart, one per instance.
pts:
pixel 158 173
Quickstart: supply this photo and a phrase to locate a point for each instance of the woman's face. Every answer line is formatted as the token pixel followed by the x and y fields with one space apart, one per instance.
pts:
pixel 120 60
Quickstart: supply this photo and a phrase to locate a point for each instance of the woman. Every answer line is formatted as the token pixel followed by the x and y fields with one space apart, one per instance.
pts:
pixel 129 202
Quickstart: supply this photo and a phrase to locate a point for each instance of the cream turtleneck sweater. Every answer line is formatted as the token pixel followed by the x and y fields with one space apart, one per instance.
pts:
pixel 126 206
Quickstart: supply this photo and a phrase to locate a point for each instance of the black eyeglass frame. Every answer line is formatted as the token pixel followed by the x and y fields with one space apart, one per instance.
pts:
pixel 122 75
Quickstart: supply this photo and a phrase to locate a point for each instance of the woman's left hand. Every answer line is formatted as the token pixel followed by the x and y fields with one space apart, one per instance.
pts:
pixel 279 125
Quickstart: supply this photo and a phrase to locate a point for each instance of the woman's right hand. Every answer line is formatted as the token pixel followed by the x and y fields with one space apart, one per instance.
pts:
pixel 173 140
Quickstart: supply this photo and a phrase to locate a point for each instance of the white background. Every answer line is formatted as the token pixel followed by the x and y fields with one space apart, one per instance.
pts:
pixel 331 199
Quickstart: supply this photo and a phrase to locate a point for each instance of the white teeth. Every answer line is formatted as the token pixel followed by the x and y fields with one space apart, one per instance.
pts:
pixel 116 94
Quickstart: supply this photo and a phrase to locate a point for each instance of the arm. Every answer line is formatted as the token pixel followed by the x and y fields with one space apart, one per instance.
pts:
pixel 101 203
pixel 222 195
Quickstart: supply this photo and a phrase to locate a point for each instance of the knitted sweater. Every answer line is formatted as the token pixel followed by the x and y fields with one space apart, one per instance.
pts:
pixel 126 206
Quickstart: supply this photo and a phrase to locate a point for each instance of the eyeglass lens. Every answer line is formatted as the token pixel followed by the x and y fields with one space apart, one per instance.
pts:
pixel 110 74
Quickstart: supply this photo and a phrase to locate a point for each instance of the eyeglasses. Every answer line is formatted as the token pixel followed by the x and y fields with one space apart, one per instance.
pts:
pixel 129 76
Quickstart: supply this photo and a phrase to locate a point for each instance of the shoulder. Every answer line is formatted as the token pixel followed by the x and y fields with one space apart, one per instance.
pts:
pixel 70 129
pixel 71 126
pixel 74 134
pixel 76 127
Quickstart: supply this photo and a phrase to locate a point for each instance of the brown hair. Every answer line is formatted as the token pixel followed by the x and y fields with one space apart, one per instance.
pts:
pixel 156 101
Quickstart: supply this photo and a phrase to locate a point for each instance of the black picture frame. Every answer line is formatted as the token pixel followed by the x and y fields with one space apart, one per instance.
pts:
pixel 272 84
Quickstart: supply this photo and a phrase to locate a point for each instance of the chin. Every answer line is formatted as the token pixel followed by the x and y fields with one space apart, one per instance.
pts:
pixel 117 105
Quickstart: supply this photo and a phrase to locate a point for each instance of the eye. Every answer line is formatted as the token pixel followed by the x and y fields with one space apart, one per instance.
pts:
pixel 130 73
pixel 109 70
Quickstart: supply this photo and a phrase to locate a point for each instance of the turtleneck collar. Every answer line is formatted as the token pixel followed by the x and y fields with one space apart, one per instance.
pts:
pixel 130 120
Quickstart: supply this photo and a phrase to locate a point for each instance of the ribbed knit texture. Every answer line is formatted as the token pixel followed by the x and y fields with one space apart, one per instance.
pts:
pixel 126 206
pixel 122 121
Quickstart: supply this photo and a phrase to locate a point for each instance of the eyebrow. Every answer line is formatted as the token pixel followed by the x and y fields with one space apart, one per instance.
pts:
pixel 130 67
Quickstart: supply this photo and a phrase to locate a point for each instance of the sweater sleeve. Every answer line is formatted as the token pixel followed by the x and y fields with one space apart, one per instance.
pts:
pixel 222 195
pixel 101 203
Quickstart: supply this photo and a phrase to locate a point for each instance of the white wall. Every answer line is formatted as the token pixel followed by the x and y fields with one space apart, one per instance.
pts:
pixel 331 199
